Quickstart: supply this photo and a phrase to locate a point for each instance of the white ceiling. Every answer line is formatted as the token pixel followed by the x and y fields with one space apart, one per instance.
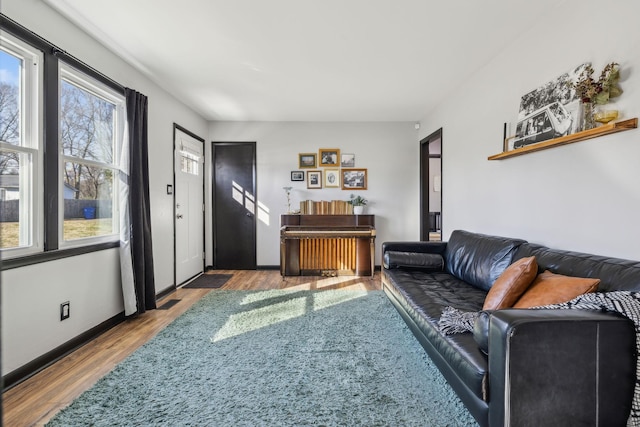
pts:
pixel 307 60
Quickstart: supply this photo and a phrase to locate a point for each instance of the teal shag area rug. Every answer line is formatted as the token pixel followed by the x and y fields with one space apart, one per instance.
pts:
pixel 275 358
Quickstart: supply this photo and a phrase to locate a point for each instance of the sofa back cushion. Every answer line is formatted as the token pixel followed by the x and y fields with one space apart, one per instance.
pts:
pixel 479 259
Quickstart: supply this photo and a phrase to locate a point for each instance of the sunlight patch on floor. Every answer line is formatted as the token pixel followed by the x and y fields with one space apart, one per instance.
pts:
pixel 322 300
pixel 252 320
pixel 261 317
pixel 332 281
pixel 301 287
pixel 255 297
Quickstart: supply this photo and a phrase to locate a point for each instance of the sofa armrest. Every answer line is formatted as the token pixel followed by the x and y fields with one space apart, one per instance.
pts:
pixel 560 367
pixel 418 247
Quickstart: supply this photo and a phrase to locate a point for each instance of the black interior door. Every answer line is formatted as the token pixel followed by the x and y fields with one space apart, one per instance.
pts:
pixel 234 205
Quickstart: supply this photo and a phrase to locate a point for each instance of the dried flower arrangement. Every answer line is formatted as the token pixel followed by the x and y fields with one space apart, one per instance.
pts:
pixel 601 90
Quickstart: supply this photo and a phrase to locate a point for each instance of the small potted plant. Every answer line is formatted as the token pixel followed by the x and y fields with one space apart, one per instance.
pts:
pixel 358 203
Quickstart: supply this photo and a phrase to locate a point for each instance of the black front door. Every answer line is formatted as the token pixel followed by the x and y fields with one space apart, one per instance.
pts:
pixel 234 205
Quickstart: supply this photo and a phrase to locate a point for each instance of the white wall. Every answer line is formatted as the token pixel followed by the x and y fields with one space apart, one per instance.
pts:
pixel 435 172
pixel 31 299
pixel 390 152
pixel 584 196
pixel 31 295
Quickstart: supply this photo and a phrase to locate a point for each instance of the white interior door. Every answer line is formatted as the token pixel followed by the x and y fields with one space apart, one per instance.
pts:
pixel 189 208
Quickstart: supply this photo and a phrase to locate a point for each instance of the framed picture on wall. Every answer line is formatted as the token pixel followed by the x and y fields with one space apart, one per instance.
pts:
pixel 297 175
pixel 329 157
pixel 332 178
pixel 307 160
pixel 354 179
pixel 314 179
pixel 348 160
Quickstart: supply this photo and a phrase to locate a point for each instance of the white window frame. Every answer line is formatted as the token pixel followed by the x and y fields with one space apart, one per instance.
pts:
pixel 91 85
pixel 31 125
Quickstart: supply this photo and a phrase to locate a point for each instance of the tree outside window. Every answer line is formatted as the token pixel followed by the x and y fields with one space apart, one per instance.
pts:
pixel 88 129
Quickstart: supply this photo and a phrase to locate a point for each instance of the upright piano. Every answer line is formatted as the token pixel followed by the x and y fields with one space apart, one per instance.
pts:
pixel 327 245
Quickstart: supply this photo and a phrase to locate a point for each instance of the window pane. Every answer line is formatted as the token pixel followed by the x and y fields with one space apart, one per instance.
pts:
pixel 10 71
pixel 14 200
pixel 86 124
pixel 88 201
pixel 189 163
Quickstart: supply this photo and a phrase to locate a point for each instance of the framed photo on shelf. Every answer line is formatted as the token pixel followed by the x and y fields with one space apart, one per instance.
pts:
pixel 550 111
pixel 332 178
pixel 297 175
pixel 307 160
pixel 329 157
pixel 354 179
pixel 314 179
pixel 348 160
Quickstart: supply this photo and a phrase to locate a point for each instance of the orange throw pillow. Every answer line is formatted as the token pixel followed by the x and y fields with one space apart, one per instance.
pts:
pixel 511 284
pixel 550 288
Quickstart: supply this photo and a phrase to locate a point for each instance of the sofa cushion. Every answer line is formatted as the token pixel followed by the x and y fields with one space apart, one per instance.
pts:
pixel 479 259
pixel 550 288
pixel 423 296
pixel 422 261
pixel 511 284
pixel 615 274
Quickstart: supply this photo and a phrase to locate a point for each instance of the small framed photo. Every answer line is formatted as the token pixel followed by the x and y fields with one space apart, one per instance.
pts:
pixel 307 160
pixel 354 179
pixel 348 160
pixel 314 179
pixel 332 178
pixel 329 157
pixel 297 175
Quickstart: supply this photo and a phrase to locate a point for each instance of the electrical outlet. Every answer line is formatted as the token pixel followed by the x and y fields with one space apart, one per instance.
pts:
pixel 65 312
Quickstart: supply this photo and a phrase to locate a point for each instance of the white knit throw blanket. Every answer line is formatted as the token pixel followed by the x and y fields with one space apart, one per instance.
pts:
pixel 623 302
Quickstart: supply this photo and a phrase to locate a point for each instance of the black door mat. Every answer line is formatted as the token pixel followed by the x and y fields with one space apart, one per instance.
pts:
pixel 209 281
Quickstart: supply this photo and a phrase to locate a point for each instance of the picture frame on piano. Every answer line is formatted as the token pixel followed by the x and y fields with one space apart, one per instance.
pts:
pixel 314 179
pixel 354 179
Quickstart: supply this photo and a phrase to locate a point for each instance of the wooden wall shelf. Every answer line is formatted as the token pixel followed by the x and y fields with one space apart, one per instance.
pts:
pixel 570 139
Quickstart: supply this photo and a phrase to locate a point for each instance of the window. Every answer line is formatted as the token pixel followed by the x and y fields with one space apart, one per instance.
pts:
pixel 190 158
pixel 61 132
pixel 20 147
pixel 91 128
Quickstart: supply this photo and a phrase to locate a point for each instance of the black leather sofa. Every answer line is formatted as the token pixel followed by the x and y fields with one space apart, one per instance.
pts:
pixel 520 367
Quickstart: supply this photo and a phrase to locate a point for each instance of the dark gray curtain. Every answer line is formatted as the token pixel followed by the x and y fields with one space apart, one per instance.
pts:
pixel 139 203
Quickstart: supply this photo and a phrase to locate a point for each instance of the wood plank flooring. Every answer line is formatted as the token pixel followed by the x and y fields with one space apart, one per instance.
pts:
pixel 36 400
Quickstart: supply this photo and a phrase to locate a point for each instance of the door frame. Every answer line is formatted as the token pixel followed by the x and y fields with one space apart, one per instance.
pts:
pixel 213 197
pixel 424 182
pixel 177 127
